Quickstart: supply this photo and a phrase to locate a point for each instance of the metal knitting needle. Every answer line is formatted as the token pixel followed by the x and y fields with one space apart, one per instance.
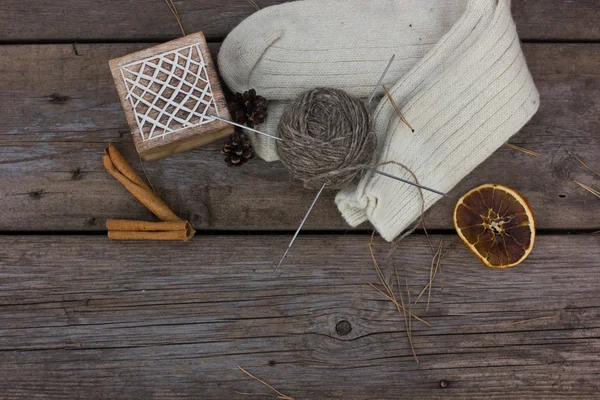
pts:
pixel 244 127
pixel 381 79
pixel 379 83
pixel 409 182
pixel 299 228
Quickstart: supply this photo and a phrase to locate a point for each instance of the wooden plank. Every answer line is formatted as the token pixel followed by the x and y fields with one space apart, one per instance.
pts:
pixel 60 109
pixel 116 20
pixel 83 317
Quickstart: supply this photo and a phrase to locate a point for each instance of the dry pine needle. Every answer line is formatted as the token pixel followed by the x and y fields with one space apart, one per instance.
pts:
pixel 403 307
pixel 432 273
pixel 408 301
pixel 588 188
pixel 584 164
pixel 280 395
pixel 436 266
pixel 390 293
pixel 407 320
pixel 253 4
pixel 523 150
pixel 174 11
pixel 399 306
pixel 393 102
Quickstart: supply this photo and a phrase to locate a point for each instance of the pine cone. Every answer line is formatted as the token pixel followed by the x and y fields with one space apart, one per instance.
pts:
pixel 237 149
pixel 248 108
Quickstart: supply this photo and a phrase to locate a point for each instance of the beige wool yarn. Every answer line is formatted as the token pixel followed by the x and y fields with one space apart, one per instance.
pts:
pixel 459 77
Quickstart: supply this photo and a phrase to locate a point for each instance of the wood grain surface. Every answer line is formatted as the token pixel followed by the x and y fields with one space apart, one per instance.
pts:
pixel 60 109
pixel 118 20
pixel 86 318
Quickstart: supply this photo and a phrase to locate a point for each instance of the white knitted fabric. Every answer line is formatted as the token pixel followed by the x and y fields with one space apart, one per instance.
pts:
pixel 459 77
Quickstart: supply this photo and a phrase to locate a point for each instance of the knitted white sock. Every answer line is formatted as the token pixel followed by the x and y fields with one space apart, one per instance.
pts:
pixel 284 50
pixel 459 77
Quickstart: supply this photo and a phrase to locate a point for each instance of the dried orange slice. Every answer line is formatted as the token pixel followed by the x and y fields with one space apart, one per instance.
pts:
pixel 496 224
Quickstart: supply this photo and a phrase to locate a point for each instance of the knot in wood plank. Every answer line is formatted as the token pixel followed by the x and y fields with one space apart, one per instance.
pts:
pixel 343 328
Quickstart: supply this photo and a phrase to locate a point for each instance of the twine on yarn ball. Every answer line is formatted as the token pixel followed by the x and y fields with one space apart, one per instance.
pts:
pixel 327 138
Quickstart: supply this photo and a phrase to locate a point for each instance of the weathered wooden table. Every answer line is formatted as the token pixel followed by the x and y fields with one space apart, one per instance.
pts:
pixel 82 317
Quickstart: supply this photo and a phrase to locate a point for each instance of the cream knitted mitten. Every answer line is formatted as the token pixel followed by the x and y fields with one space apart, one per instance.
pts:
pixel 459 77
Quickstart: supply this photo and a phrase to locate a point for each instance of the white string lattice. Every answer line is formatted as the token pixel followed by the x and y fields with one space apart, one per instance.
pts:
pixel 169 92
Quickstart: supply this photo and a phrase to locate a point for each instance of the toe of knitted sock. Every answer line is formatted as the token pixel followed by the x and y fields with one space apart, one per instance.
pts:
pixel 391 211
pixel 266 147
pixel 351 207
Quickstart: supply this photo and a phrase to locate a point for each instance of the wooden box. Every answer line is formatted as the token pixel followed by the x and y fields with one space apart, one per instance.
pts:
pixel 168 93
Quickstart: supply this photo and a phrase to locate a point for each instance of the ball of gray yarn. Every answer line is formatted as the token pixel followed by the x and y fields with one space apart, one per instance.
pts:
pixel 327 138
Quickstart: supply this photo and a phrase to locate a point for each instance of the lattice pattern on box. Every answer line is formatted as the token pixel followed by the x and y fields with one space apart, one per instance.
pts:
pixel 169 92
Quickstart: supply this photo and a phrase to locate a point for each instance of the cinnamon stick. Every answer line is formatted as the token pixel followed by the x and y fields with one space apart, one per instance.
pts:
pixel 145 235
pixel 123 166
pixel 119 168
pixel 171 228
pixel 132 225
pixel 125 229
